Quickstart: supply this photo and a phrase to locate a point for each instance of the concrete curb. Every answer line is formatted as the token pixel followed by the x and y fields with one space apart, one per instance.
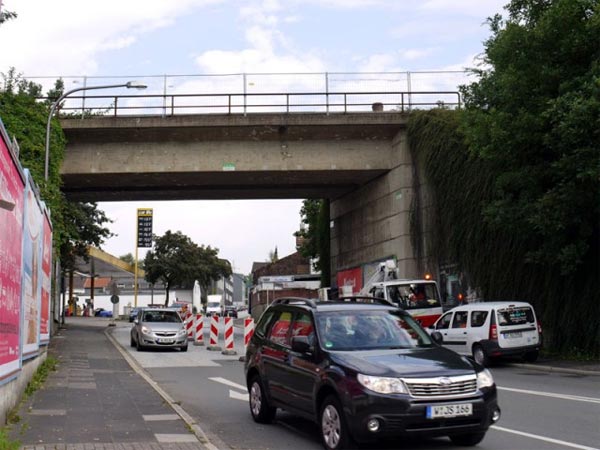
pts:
pixel 556 369
pixel 189 420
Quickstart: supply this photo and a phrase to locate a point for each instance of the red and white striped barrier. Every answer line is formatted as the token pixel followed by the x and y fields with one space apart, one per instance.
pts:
pixel 248 331
pixel 198 325
pixel 189 322
pixel 214 334
pixel 229 337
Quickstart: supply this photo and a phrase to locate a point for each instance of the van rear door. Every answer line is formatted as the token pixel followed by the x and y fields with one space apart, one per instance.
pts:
pixel 517 326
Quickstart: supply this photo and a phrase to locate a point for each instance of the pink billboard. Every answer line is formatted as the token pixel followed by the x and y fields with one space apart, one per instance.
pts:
pixel 11 223
pixel 46 277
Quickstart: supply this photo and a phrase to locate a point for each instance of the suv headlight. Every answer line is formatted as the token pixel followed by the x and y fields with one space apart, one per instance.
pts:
pixel 484 379
pixel 382 385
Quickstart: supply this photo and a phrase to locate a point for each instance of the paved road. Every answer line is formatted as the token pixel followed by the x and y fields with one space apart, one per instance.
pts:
pixel 541 411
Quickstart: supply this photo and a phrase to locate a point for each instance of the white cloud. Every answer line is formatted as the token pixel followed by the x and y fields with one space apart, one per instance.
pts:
pixel 66 36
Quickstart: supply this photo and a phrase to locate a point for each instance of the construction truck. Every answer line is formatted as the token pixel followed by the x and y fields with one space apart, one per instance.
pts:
pixel 419 297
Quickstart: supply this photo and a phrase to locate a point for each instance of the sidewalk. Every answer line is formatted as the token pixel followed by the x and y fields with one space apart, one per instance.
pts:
pixel 96 400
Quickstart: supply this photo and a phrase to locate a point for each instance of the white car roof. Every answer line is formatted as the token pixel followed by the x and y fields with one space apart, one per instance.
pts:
pixel 489 305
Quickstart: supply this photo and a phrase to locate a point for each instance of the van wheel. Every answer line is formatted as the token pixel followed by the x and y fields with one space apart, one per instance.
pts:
pixel 467 440
pixel 480 356
pixel 531 357
pixel 261 410
pixel 334 431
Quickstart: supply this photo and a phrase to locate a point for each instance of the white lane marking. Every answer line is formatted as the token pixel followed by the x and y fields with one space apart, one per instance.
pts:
pixel 543 438
pixel 236 395
pixel 576 398
pixel 229 383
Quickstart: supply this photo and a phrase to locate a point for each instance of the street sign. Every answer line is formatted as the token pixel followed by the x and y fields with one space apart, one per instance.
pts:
pixel 144 227
pixel 114 299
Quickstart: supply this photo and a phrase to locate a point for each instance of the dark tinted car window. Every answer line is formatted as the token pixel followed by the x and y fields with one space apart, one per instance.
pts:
pixel 362 330
pixel 279 331
pixel 161 316
pixel 460 319
pixel 478 318
pixel 263 323
pixel 515 316
pixel 444 322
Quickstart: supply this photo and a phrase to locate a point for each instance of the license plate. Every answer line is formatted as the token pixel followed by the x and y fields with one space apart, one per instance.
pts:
pixel 464 409
pixel 514 335
pixel 165 341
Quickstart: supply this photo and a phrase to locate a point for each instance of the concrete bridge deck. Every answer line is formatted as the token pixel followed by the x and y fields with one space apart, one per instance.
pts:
pixel 270 155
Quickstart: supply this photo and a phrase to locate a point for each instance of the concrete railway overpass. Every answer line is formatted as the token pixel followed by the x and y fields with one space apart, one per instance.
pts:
pixel 359 161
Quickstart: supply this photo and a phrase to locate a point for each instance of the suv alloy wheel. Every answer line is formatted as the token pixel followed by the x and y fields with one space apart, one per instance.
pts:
pixel 334 431
pixel 260 409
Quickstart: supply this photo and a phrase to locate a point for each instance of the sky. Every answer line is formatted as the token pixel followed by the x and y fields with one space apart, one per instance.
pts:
pixel 146 39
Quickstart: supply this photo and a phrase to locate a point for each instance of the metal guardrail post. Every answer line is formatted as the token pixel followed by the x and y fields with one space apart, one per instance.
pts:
pixel 83 99
pixel 116 100
pixel 244 91
pixel 327 93
pixel 164 114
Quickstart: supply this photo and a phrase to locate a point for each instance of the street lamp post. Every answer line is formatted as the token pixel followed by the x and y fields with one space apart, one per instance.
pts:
pixel 128 85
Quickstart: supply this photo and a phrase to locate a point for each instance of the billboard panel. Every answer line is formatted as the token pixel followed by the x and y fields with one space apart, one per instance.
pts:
pixel 351 278
pixel 12 187
pixel 46 277
pixel 32 260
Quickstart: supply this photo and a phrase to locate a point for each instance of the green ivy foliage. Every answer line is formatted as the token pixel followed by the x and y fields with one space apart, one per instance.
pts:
pixel 495 255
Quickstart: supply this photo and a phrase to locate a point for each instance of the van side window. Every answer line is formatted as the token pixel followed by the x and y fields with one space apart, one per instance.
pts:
pixel 444 322
pixel 460 319
pixel 478 318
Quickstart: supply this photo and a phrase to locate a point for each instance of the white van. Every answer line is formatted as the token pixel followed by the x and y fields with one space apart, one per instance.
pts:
pixel 491 330
pixel 213 305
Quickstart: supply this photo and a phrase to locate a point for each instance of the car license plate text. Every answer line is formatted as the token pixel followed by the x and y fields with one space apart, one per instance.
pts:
pixel 514 335
pixel 165 341
pixel 434 412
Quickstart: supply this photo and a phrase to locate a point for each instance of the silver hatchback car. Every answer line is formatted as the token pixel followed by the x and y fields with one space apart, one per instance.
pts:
pixel 158 328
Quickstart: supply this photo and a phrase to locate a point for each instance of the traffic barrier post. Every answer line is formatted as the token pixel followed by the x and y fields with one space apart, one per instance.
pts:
pixel 213 344
pixel 248 332
pixel 199 339
pixel 229 337
pixel 189 322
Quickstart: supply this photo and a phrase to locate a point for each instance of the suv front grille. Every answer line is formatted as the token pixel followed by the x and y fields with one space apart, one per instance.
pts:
pixel 442 387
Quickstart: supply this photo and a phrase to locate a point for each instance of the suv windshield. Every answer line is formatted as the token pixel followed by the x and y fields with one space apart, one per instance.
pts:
pixel 367 330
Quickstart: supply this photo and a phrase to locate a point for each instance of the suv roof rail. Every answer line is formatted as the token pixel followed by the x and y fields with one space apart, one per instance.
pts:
pixel 365 299
pixel 294 300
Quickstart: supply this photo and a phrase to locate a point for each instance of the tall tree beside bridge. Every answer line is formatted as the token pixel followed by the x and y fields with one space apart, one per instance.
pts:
pixel 517 190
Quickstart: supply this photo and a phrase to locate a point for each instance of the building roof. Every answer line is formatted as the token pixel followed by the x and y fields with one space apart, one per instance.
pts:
pixel 100 282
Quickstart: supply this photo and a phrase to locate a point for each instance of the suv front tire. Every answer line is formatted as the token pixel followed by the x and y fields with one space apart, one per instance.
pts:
pixel 334 431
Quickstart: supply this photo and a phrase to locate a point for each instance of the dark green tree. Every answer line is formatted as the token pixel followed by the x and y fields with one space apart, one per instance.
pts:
pixel 176 260
pixel 516 175
pixel 84 225
pixel 314 236
pixel 535 116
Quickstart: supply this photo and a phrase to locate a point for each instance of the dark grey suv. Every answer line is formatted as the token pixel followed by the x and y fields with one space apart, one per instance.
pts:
pixel 364 370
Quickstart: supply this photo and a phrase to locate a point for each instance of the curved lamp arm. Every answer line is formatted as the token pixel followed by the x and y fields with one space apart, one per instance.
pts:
pixel 128 85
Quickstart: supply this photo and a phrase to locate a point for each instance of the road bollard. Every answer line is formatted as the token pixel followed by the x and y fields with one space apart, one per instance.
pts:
pixel 199 330
pixel 213 344
pixel 248 332
pixel 229 337
pixel 189 322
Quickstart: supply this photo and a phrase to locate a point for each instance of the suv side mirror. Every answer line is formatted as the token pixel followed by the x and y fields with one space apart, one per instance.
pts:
pixel 301 344
pixel 437 337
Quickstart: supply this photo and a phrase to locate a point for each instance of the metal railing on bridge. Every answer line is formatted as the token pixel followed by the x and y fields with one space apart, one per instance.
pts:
pixel 328 92
pixel 288 102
